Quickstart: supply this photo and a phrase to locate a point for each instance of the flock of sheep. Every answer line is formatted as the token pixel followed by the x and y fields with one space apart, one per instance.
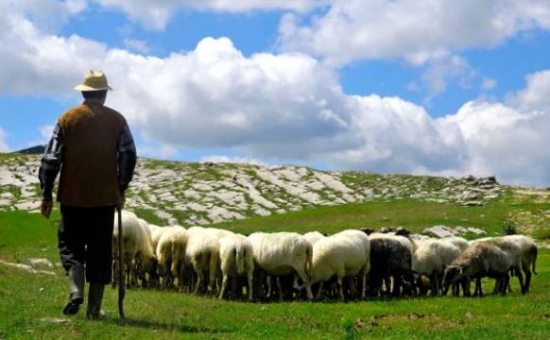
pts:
pixel 351 264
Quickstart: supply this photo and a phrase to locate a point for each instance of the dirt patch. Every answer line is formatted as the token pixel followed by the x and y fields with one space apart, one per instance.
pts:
pixel 432 321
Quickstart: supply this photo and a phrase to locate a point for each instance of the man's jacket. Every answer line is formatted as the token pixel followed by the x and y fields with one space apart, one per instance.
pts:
pixel 93 148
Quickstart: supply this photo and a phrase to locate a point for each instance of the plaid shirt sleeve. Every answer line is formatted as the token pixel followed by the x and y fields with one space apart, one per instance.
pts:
pixel 51 162
pixel 126 158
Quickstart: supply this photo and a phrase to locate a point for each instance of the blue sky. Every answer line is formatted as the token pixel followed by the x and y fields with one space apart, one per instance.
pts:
pixel 419 87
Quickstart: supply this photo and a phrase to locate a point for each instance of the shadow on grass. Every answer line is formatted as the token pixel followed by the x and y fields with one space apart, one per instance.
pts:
pixel 174 327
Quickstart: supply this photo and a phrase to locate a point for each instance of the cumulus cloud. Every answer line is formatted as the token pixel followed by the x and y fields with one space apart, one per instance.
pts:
pixel 418 30
pixel 505 141
pixel 49 15
pixel 156 14
pixel 537 94
pixel 283 106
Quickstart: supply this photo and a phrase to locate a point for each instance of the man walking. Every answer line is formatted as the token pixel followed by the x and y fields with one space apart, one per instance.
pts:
pixel 93 147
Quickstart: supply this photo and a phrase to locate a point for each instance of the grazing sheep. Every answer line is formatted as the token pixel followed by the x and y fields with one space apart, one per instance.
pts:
pixel 431 258
pixel 170 251
pixel 283 253
pixel 236 259
pixel 477 261
pixel 345 254
pixel 523 249
pixel 528 253
pixel 138 255
pixel 202 254
pixel 154 230
pixel 389 258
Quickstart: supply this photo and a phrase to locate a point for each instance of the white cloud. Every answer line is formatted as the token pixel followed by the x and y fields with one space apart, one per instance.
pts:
pixel 3 145
pixel 139 46
pixel 285 106
pixel 537 94
pixel 444 69
pixel 505 141
pixel 49 15
pixel 156 14
pixel 418 30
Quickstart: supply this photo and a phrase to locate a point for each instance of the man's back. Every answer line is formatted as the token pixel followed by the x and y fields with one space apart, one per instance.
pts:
pixel 89 172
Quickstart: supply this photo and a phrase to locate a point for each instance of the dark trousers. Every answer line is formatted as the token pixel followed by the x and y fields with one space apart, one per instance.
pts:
pixel 85 237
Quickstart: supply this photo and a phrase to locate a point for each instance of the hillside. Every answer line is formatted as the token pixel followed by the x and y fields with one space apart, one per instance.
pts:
pixel 245 198
pixel 165 192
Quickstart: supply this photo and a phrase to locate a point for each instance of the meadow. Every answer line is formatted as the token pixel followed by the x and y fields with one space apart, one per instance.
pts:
pixel 30 304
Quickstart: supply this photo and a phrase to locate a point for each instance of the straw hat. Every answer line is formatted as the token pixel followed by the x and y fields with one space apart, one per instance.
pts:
pixel 93 81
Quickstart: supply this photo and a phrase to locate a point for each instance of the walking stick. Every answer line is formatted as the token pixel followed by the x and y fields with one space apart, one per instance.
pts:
pixel 121 291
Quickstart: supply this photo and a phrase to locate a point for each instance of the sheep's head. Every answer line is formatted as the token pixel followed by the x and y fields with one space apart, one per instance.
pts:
pixel 452 274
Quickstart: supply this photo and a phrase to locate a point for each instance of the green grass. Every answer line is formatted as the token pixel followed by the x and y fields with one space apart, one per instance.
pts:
pixel 29 302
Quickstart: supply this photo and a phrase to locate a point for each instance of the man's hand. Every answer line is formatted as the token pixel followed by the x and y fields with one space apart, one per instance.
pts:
pixel 120 205
pixel 46 208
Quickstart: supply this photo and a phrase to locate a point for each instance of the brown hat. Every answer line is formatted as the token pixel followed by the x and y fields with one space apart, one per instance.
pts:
pixel 93 81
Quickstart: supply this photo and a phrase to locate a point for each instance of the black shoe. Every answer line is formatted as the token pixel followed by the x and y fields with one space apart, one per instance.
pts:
pixel 72 307
pixel 95 297
pixel 76 289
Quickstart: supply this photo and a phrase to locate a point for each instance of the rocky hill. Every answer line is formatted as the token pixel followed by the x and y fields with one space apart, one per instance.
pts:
pixel 205 193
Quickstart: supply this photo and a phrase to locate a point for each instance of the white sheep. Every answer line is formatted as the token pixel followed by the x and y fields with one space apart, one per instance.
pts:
pixel 138 253
pixel 170 251
pixel 283 253
pixel 202 254
pixel 345 254
pixel 236 259
pixel 431 258
pixel 154 230
pixel 528 253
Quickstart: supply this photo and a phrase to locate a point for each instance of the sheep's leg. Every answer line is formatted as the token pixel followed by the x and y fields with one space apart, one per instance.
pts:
pixel 435 284
pixel 279 288
pixel 269 284
pixel 181 277
pixel 250 285
pixel 340 290
pixel 397 282
pixel 200 280
pixel 363 284
pixel 506 280
pixel 525 289
pixel 478 290
pixel 519 274
pixel 320 291
pixel 387 284
pixel 224 286
pixel 465 282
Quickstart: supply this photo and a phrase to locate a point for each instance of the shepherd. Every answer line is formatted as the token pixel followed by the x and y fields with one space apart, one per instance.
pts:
pixel 93 148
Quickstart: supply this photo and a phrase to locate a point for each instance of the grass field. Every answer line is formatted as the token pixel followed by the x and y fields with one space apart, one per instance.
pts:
pixel 30 304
